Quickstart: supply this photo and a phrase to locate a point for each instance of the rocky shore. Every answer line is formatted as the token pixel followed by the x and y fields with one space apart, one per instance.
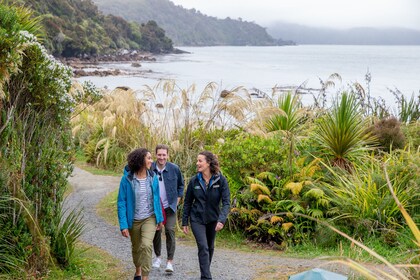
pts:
pixel 93 65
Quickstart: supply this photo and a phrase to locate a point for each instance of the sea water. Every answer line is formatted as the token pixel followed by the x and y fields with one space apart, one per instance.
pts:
pixel 389 68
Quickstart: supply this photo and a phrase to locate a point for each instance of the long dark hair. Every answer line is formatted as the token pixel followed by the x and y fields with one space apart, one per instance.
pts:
pixel 212 160
pixel 136 160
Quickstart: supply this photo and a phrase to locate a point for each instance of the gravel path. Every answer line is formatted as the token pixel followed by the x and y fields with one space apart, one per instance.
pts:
pixel 227 264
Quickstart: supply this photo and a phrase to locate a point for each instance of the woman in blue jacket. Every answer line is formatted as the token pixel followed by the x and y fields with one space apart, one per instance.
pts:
pixel 205 192
pixel 139 209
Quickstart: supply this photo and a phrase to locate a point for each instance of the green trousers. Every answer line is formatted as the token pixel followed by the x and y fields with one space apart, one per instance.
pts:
pixel 141 236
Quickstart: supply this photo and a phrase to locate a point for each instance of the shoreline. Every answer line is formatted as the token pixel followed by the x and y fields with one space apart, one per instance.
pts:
pixel 81 65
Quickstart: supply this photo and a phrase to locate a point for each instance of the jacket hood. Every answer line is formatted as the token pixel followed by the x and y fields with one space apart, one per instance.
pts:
pixel 129 174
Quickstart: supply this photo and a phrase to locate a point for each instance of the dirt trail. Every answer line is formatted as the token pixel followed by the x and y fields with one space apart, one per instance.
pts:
pixel 227 264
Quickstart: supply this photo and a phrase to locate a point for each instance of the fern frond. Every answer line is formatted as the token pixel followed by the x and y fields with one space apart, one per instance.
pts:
pixel 264 198
pixel 276 219
pixel 260 189
pixel 295 188
pixel 286 226
pixel 315 193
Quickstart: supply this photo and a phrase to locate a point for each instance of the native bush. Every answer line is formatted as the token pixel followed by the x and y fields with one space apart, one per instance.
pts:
pixel 389 134
pixel 35 147
pixel 412 135
pixel 361 201
pixel 258 207
pixel 248 155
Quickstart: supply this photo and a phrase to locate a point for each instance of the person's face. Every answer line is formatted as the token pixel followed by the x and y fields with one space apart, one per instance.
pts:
pixel 202 164
pixel 148 160
pixel 161 157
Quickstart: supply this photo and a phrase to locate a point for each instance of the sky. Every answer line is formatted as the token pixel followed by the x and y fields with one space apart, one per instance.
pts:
pixel 339 14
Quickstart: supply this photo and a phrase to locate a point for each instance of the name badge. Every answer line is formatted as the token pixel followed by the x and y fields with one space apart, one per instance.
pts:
pixel 216 186
pixel 197 187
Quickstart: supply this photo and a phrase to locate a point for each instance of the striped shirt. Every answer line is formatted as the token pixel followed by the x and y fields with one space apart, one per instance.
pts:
pixel 144 199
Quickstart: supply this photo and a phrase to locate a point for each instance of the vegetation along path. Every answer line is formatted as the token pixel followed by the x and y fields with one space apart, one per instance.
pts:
pixel 89 189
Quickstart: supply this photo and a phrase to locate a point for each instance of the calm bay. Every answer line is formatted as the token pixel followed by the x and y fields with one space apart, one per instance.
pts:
pixel 390 67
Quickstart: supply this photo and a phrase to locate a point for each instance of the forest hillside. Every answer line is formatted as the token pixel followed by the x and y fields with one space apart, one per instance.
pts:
pixel 77 28
pixel 189 27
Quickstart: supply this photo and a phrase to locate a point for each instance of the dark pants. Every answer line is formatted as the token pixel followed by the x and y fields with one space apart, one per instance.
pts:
pixel 170 235
pixel 204 236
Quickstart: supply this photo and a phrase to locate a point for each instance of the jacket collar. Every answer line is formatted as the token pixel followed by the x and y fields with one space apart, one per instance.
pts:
pixel 130 175
pixel 214 178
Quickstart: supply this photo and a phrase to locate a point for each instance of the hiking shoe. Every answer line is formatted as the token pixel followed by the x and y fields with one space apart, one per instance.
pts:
pixel 137 277
pixel 156 263
pixel 169 267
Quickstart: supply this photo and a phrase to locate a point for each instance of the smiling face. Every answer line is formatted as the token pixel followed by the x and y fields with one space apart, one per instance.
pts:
pixel 161 157
pixel 202 165
pixel 148 160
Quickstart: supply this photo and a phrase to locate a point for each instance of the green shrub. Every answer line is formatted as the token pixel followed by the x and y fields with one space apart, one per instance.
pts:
pixel 248 155
pixel 35 147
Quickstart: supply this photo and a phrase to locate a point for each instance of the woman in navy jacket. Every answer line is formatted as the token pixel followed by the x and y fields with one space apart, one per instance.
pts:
pixel 206 191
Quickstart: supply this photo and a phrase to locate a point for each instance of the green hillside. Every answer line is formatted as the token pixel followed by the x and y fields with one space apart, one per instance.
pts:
pixel 190 27
pixel 77 28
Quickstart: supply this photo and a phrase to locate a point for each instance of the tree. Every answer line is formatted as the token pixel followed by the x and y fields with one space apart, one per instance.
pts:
pixel 342 132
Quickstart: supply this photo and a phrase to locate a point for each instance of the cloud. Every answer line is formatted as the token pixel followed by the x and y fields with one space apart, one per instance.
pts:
pixel 322 13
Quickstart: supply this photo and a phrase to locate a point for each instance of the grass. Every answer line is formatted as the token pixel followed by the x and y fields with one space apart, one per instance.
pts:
pixel 81 162
pixel 91 263
pixel 397 254
pixel 107 208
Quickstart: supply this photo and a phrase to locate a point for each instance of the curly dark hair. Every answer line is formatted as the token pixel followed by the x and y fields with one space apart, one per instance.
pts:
pixel 212 160
pixel 137 159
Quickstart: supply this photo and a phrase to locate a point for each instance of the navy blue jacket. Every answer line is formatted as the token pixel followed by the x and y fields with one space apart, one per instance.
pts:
pixel 174 183
pixel 203 206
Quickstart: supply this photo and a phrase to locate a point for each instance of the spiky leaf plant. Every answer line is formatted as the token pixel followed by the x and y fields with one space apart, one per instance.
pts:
pixel 342 133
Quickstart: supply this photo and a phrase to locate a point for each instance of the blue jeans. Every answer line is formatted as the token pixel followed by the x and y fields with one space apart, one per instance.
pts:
pixel 204 236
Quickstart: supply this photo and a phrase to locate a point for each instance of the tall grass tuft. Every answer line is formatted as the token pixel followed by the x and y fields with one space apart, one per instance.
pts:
pixel 66 236
pixel 9 253
pixel 408 110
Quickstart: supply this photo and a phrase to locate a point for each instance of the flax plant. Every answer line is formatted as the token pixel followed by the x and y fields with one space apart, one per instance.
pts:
pixel 71 227
pixel 408 109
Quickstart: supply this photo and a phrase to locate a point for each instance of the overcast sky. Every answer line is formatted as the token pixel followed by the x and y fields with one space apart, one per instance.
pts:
pixel 319 13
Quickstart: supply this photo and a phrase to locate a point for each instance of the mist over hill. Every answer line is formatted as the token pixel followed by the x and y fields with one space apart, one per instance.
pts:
pixel 189 27
pixel 355 36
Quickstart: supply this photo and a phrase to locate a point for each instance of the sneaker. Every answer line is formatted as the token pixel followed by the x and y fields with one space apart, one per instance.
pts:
pixel 156 263
pixel 169 268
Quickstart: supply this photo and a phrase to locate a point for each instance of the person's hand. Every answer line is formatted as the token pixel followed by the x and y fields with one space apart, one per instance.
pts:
pixel 159 226
pixel 219 226
pixel 125 233
pixel 185 229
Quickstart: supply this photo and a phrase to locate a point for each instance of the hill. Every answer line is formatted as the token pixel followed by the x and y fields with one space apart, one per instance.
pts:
pixel 189 27
pixel 76 28
pixel 356 36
